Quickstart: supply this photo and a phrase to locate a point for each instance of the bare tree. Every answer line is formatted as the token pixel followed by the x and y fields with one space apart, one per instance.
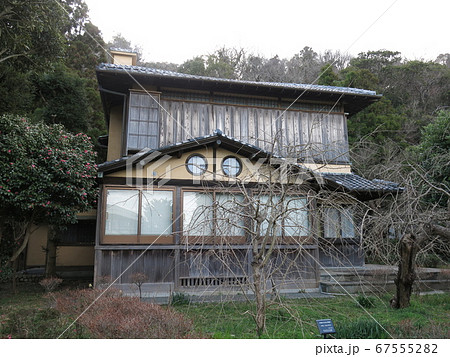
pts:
pixel 399 229
pixel 253 231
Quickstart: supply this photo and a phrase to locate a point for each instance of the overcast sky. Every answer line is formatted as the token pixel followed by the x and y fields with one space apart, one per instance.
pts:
pixel 177 30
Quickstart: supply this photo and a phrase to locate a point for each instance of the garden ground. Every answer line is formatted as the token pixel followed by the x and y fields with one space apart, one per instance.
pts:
pixel 30 314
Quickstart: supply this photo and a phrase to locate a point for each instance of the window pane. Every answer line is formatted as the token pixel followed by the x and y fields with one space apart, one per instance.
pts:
pixel 143 120
pixel 296 220
pixel 231 166
pixel 197 214
pixel 121 212
pixel 230 220
pixel 82 232
pixel 196 165
pixel 348 228
pixel 156 214
pixel 331 223
pixel 268 206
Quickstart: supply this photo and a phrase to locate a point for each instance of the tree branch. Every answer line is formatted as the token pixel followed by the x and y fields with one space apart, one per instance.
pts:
pixel 441 231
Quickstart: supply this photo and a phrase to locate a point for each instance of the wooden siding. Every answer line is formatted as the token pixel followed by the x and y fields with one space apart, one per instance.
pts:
pixel 340 253
pixel 313 136
pixel 214 263
pixel 292 266
pixel 157 264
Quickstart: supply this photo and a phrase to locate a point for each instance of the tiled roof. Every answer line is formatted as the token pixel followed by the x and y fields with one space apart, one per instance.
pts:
pixel 352 182
pixel 109 67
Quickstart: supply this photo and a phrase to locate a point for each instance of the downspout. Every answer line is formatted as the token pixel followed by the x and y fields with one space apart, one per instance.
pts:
pixel 124 108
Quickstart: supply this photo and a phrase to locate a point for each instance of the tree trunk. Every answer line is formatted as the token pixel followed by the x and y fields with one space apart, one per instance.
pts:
pixel 50 261
pixel 406 274
pixel 15 264
pixel 260 297
pixel 27 231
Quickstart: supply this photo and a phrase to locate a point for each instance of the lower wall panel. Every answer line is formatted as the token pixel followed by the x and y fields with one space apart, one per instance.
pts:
pixel 203 268
pixel 213 263
pixel 157 265
pixel 340 253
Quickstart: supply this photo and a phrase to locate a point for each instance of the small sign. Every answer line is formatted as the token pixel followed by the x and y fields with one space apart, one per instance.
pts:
pixel 325 327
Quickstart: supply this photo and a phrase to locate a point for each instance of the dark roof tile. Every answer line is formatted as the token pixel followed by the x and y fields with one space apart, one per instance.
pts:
pixel 352 182
pixel 109 67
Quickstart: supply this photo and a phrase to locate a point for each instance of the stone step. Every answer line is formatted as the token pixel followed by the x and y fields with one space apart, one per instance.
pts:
pixel 378 274
pixel 365 276
pixel 353 287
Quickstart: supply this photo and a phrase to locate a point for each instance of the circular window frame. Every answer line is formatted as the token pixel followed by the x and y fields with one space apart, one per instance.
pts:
pixel 239 162
pixel 188 168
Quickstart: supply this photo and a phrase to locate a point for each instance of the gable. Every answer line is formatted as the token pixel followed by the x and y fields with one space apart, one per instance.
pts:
pixel 174 167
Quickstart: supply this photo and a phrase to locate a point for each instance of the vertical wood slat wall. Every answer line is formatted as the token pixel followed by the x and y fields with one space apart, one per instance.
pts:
pixel 317 137
pixel 292 266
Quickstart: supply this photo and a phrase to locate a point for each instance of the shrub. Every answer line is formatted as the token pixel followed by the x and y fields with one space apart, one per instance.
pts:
pixel 429 261
pixel 115 316
pixel 6 271
pixel 34 323
pixel 360 329
pixel 179 299
pixel 50 284
pixel 139 279
pixel 366 301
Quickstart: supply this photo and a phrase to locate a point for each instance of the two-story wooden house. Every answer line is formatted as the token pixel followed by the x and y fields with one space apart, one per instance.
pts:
pixel 187 157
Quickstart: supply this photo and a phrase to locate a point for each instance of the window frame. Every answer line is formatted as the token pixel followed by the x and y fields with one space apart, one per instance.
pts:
pixel 137 238
pixel 341 215
pixel 239 162
pixel 297 239
pixel 186 164
pixel 209 239
pixel 214 239
pixel 157 97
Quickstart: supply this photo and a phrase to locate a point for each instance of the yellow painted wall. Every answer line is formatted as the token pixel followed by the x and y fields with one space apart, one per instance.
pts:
pixel 35 252
pixel 66 255
pixel 337 169
pixel 115 134
pixel 124 58
pixel 75 256
pixel 174 168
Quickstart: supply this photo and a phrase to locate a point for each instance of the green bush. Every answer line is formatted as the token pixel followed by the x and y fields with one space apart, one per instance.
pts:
pixel 429 261
pixel 366 301
pixel 179 299
pixel 362 328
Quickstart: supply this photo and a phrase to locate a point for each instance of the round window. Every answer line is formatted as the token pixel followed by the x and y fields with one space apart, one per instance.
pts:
pixel 231 166
pixel 196 164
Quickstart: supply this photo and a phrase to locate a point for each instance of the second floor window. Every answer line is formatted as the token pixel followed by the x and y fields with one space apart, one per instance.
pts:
pixel 143 121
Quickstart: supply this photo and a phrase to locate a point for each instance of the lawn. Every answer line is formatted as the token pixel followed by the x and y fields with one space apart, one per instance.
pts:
pixel 427 317
pixel 28 315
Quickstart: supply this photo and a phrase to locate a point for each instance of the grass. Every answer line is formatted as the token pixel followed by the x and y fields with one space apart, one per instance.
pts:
pixel 427 317
pixel 28 315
